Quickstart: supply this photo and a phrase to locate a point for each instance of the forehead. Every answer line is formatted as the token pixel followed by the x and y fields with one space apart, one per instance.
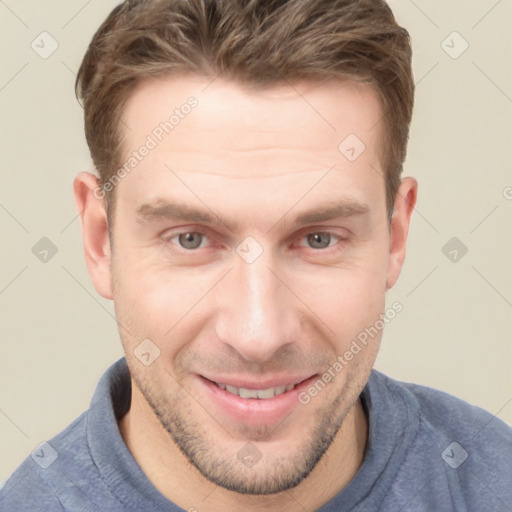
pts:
pixel 245 141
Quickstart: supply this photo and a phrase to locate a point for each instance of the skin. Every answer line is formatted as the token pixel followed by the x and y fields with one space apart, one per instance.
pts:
pixel 260 159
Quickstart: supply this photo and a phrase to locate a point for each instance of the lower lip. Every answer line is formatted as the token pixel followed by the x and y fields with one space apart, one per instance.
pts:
pixel 254 411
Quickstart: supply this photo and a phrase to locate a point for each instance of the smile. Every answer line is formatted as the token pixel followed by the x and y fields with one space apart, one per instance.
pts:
pixel 250 402
pixel 256 393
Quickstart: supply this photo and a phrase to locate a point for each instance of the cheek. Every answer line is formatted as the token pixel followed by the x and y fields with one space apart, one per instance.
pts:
pixel 347 298
pixel 156 301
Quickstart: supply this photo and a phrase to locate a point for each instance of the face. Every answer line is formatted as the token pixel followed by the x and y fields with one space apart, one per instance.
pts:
pixel 251 252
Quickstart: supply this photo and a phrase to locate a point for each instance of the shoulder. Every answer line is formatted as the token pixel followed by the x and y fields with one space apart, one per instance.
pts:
pixel 445 414
pixel 460 455
pixel 61 473
pixel 26 490
pixel 442 412
pixel 35 483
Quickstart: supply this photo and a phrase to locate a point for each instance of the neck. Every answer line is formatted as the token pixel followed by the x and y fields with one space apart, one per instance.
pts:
pixel 179 481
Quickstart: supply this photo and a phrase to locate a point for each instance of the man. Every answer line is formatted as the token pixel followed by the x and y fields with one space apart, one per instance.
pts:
pixel 248 219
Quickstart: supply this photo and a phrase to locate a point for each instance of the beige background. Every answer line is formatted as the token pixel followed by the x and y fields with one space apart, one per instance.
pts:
pixel 58 336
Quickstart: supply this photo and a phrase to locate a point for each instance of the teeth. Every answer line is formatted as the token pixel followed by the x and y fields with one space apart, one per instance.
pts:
pixel 248 393
pixel 280 389
pixel 232 389
pixel 266 393
pixel 256 393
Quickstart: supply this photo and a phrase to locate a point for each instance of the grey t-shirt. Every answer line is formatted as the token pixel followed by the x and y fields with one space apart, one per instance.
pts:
pixel 426 451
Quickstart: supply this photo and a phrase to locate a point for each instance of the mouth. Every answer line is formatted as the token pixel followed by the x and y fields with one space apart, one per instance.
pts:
pixel 251 403
pixel 261 394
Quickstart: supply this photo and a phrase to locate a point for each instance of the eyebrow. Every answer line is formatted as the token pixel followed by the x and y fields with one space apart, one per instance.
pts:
pixel 165 210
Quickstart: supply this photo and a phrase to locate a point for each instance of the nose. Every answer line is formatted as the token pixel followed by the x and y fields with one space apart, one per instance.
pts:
pixel 257 313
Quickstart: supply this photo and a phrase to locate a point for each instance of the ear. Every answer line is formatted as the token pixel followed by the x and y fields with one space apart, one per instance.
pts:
pixel 95 237
pixel 399 229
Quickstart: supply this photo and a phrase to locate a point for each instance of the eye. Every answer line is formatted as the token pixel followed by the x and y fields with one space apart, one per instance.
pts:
pixel 189 240
pixel 321 239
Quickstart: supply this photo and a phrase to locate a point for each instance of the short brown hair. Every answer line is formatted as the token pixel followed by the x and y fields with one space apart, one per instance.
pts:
pixel 255 42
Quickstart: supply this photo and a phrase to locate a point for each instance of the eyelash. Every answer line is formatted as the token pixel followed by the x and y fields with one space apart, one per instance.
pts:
pixel 327 249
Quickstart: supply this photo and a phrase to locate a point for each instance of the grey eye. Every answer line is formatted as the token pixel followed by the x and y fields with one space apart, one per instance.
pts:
pixel 319 240
pixel 190 240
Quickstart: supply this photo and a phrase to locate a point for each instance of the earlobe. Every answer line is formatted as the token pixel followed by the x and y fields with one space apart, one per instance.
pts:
pixel 404 205
pixel 95 234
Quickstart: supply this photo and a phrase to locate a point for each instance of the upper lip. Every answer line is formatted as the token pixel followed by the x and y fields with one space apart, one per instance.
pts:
pixel 269 382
